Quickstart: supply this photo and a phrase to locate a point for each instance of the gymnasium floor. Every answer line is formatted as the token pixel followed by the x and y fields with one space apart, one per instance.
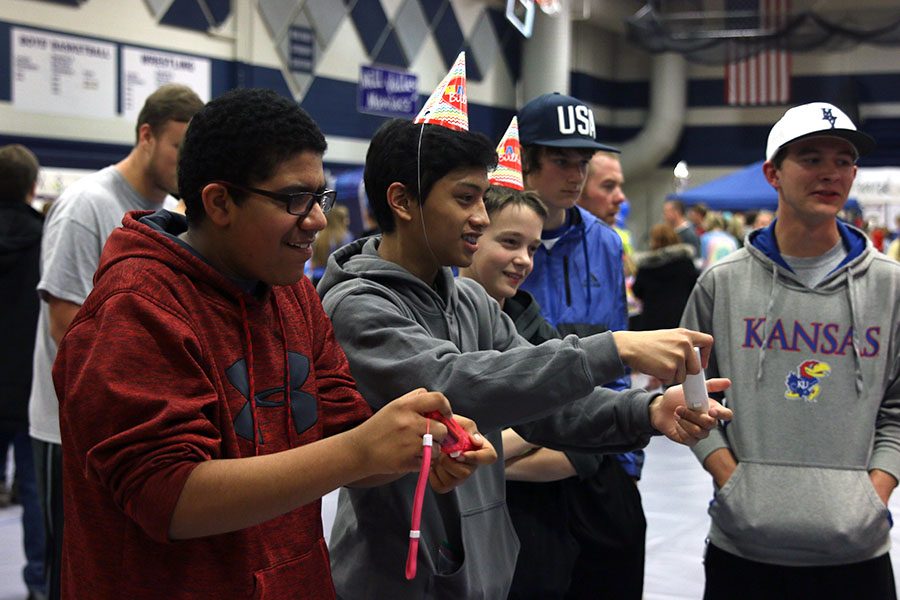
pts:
pixel 675 491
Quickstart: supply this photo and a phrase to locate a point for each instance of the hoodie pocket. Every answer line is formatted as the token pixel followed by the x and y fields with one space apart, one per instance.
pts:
pixel 306 576
pixel 800 515
pixel 488 562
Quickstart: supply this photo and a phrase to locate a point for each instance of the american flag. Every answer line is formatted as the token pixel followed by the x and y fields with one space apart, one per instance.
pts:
pixel 766 77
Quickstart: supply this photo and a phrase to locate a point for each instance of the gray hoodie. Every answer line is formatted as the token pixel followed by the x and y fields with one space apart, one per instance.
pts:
pixel 816 398
pixel 399 334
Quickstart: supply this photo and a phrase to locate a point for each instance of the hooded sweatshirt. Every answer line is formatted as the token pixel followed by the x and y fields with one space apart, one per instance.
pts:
pixel 816 397
pixel 20 253
pixel 400 333
pixel 169 364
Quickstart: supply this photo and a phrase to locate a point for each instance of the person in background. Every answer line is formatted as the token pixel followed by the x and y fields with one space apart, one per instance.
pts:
pixel 665 277
pixel 673 214
pixel 20 248
pixel 74 234
pixel 602 196
pixel 735 225
pixel 807 324
pixel 716 243
pixel 696 215
pixel 335 235
pixel 878 234
pixel 763 219
pixel 893 249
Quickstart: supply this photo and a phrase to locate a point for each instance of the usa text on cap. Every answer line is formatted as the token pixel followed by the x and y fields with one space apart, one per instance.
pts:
pixel 559 121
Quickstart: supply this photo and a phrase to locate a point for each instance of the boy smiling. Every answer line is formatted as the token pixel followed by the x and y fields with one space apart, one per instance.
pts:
pixel 206 406
pixel 404 320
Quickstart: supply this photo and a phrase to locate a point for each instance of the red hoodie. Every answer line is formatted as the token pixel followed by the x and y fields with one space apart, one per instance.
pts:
pixel 154 376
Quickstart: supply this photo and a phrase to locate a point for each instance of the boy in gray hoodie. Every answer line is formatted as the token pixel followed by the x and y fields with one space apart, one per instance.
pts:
pixel 807 325
pixel 401 318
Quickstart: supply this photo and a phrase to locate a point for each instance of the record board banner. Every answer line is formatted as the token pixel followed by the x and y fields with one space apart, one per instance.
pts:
pixel 143 71
pixel 63 74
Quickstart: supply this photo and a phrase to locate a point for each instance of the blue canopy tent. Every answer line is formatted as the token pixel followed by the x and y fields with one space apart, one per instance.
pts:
pixel 745 189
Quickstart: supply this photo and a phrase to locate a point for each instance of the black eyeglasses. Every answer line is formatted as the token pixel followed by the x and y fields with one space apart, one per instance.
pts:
pixel 297 203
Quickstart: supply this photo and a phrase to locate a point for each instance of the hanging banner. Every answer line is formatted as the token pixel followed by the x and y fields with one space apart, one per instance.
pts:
pixel 143 71
pixel 387 93
pixel 63 74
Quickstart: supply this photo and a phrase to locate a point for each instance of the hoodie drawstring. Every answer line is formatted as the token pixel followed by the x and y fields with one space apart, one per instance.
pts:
pixel 765 337
pixel 851 295
pixel 248 342
pixel 287 369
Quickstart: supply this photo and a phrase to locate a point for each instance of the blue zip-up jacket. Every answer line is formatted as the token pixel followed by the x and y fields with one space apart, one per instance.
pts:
pixel 580 287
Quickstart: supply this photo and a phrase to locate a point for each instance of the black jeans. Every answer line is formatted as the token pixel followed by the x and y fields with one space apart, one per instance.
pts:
pixel 730 577
pixel 48 464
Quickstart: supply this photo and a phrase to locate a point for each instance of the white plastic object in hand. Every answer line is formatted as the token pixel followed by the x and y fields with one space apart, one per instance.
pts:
pixel 696 397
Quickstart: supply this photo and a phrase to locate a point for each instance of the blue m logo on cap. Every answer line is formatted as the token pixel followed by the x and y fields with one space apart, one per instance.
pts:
pixel 827 116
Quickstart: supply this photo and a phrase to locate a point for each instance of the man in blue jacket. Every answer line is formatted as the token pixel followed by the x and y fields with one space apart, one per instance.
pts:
pixel 579 282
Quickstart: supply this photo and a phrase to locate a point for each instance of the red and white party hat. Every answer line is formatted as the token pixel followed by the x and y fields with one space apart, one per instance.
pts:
pixel 509 159
pixel 447 105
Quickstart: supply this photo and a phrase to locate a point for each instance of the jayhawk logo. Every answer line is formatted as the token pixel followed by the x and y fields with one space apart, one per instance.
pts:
pixel 804 383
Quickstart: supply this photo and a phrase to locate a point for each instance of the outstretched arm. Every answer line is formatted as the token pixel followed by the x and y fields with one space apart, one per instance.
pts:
pixel 230 494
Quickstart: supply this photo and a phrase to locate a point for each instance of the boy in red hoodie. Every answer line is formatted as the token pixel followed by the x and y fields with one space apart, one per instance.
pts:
pixel 205 404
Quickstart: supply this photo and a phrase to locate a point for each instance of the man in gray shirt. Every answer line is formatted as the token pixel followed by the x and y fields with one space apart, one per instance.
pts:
pixel 77 226
pixel 806 318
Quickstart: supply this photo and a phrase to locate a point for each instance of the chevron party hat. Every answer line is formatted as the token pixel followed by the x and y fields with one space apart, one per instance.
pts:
pixel 509 159
pixel 447 105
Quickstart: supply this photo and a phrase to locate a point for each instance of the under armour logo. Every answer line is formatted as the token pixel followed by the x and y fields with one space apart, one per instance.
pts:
pixel 303 405
pixel 827 116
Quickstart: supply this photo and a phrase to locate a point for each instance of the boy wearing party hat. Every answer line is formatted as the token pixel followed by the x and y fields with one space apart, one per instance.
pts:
pixel 210 487
pixel 535 490
pixel 402 318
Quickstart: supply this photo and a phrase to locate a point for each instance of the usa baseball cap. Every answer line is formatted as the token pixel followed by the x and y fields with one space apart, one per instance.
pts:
pixel 559 121
pixel 813 120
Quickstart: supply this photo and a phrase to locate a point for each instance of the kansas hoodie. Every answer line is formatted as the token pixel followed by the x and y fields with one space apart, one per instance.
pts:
pixel 400 333
pixel 169 364
pixel 816 397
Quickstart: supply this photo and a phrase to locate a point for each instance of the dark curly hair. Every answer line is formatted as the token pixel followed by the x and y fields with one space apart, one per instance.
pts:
pixel 392 158
pixel 242 137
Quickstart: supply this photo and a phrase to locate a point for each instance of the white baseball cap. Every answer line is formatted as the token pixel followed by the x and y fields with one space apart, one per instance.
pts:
pixel 812 120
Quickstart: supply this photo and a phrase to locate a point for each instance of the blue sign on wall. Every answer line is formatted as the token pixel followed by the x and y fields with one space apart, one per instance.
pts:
pixel 387 93
pixel 301 49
